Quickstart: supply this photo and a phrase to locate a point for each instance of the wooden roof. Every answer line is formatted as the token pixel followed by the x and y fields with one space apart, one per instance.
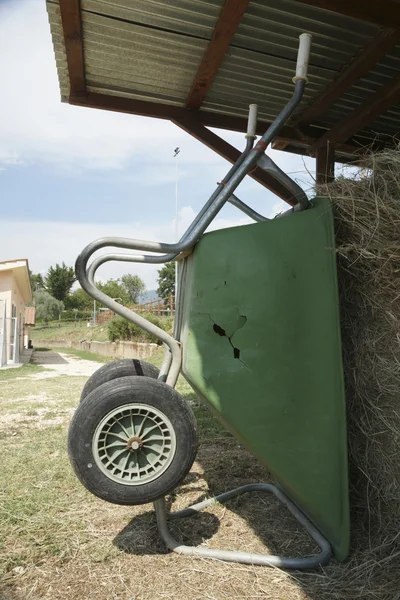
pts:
pixel 199 63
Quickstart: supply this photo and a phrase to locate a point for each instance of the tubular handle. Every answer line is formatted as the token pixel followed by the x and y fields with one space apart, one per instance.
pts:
pixel 303 57
pixel 252 122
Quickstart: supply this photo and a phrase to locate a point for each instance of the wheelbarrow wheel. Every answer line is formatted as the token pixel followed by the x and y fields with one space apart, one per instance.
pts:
pixel 126 367
pixel 133 440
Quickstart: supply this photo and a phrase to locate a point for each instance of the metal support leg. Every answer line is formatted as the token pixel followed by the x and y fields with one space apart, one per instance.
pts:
pixel 306 562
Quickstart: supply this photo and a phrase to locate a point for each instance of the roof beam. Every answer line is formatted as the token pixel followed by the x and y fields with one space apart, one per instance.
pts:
pixel 230 153
pixel 227 24
pixel 381 12
pixel 361 116
pixel 145 108
pixel 383 43
pixel 72 27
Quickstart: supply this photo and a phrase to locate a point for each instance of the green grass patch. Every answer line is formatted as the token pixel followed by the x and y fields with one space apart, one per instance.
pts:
pixel 70 332
pixel 23 396
pixel 83 354
pixel 16 372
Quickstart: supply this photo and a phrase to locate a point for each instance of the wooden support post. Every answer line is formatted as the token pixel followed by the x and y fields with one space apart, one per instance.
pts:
pixel 325 164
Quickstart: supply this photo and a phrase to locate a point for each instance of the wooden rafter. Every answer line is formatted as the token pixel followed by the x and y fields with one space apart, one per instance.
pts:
pixel 230 153
pixel 383 43
pixel 345 153
pixel 147 108
pixel 363 115
pixel 72 27
pixel 381 12
pixel 227 24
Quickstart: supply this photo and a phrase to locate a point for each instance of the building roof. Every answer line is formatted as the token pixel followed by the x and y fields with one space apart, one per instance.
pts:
pixel 200 63
pixel 29 315
pixel 20 270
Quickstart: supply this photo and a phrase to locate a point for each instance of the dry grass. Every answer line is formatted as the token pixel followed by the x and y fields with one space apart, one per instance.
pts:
pixel 58 541
pixel 367 220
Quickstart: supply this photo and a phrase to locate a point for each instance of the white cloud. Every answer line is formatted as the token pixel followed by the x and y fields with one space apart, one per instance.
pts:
pixel 45 243
pixel 35 127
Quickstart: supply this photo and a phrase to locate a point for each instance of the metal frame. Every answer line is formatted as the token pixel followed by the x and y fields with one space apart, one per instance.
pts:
pixel 267 560
pixel 251 157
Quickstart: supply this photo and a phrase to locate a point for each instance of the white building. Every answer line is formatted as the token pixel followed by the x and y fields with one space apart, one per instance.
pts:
pixel 15 292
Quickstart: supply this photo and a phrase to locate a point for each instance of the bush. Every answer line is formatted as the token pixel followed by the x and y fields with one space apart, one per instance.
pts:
pixel 121 329
pixel 47 307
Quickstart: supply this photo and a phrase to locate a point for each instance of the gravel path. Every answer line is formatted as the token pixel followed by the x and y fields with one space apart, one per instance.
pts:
pixel 58 363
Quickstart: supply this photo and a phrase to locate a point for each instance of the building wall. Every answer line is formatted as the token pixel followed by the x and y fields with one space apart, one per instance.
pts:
pixel 18 301
pixel 6 294
pixel 10 292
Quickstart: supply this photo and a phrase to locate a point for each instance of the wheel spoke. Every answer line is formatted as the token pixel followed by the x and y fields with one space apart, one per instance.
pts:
pixel 128 457
pixel 113 459
pixel 132 425
pixel 139 433
pixel 148 431
pixel 155 438
pixel 115 444
pixel 124 439
pixel 122 426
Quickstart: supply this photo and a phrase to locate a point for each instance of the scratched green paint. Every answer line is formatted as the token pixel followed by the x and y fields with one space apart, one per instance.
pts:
pixel 271 288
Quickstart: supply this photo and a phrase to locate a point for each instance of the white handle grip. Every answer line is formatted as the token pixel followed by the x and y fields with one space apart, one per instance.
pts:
pixel 303 56
pixel 252 121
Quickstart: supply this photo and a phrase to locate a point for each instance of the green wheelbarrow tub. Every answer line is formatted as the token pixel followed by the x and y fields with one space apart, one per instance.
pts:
pixel 261 346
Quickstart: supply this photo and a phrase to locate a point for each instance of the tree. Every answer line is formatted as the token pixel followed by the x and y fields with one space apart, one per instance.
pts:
pixel 47 307
pixel 59 281
pixel 134 287
pixel 114 289
pixel 79 299
pixel 166 281
pixel 37 282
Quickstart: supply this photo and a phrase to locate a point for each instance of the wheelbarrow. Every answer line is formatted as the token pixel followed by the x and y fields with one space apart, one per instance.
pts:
pixel 257 335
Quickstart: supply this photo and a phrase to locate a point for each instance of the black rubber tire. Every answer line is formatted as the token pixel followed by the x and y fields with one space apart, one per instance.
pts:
pixel 126 367
pixel 115 394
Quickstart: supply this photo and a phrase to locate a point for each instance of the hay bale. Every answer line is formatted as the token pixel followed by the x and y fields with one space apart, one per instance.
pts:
pixel 367 223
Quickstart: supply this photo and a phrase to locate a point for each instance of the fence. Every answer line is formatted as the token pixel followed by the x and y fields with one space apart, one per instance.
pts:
pixel 63 323
pixel 159 307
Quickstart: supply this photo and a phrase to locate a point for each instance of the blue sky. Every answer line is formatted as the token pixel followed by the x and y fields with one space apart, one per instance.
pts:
pixel 69 175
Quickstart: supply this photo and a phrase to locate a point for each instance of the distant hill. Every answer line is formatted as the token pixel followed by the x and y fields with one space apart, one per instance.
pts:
pixel 148 296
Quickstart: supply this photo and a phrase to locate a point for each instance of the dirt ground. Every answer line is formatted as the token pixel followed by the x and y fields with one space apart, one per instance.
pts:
pixel 58 541
pixel 59 363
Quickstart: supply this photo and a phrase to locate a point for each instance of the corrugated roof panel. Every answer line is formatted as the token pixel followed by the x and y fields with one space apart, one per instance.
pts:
pixel 151 49
pixel 261 60
pixel 247 77
pixel 53 11
pixel 273 28
pixel 138 60
pixel 363 91
pixel 188 17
